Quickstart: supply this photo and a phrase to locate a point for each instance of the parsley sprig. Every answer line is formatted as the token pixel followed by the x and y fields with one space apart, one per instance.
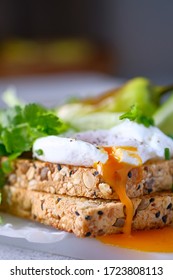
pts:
pixel 167 154
pixel 136 114
pixel 20 126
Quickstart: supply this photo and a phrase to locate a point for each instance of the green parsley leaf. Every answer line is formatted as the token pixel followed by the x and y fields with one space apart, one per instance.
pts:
pixel 2 178
pixel 39 152
pixel 170 135
pixel 135 114
pixel 3 151
pixel 167 154
pixel 6 166
pixel 17 139
pixel 20 126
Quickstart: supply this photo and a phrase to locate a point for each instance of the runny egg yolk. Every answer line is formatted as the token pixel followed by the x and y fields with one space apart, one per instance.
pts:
pixel 153 240
pixel 115 172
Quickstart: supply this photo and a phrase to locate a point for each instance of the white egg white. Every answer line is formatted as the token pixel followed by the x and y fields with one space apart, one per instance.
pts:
pixel 82 149
pixel 68 151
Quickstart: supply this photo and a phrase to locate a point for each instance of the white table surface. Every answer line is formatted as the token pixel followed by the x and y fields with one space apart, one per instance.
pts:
pixel 8 252
pixel 46 90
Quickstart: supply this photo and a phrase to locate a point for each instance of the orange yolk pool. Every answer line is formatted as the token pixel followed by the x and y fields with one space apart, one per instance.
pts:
pixel 154 240
pixel 114 173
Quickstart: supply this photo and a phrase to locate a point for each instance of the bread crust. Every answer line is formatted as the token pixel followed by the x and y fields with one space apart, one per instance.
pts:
pixel 88 217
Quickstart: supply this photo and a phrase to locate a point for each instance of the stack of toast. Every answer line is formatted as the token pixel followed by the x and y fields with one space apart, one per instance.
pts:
pixel 77 199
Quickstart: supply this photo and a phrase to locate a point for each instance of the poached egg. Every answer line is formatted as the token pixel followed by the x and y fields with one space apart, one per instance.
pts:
pixel 132 143
pixel 113 153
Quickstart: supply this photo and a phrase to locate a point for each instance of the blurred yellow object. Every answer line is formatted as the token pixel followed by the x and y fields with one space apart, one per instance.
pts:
pixel 69 52
pixel 20 52
pixel 19 57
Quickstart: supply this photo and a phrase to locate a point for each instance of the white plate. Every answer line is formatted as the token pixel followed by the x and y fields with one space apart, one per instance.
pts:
pixel 20 232
pixel 51 90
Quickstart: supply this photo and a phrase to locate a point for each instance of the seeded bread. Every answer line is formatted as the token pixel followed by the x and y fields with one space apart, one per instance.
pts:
pixel 81 181
pixel 88 217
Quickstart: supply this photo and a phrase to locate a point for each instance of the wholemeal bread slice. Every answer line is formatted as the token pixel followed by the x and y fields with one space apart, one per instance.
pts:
pixel 88 217
pixel 85 181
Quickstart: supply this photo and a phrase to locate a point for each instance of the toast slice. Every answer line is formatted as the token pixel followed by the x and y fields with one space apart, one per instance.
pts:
pixel 87 182
pixel 87 217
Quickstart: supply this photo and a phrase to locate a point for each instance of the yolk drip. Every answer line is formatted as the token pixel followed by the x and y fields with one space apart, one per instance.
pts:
pixel 154 240
pixel 114 173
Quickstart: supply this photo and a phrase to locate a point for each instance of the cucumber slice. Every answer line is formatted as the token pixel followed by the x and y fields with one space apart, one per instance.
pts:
pixel 94 121
pixel 163 117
